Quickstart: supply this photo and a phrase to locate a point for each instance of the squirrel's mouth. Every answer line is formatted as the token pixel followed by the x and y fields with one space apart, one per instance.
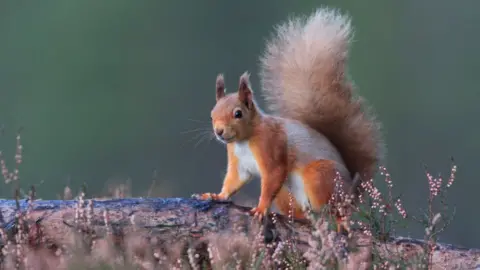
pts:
pixel 226 139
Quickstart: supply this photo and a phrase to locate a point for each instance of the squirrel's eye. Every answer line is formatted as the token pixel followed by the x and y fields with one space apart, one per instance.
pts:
pixel 237 114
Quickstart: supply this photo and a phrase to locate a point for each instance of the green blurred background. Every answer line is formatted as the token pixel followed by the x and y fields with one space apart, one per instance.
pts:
pixel 105 91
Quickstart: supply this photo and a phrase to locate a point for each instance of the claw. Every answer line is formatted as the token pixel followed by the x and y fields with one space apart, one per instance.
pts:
pixel 258 213
pixel 208 196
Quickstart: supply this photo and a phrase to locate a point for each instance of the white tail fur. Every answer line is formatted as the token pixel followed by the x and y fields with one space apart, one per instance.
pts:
pixel 303 77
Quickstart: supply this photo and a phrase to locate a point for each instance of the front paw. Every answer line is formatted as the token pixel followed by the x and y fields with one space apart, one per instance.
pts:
pixel 259 212
pixel 208 196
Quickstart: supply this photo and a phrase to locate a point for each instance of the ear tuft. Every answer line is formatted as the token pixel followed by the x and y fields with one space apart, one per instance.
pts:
pixel 244 90
pixel 244 81
pixel 220 86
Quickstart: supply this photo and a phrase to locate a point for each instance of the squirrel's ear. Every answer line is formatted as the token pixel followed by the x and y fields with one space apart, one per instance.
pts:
pixel 244 90
pixel 220 87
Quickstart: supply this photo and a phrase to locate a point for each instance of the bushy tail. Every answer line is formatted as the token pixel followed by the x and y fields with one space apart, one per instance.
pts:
pixel 303 77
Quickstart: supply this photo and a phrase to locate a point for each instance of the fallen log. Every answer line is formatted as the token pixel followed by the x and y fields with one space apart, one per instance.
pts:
pixel 165 223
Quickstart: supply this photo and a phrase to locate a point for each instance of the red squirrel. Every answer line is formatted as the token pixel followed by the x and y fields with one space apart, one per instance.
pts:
pixel 317 127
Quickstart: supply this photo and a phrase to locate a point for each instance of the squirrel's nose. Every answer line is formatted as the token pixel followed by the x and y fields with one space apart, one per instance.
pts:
pixel 219 131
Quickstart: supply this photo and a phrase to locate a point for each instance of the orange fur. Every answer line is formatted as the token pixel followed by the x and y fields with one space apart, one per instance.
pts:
pixel 319 128
pixel 319 178
pixel 268 145
pixel 284 205
pixel 319 182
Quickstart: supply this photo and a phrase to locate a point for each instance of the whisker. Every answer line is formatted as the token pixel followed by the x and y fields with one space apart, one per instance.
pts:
pixel 195 130
pixel 212 137
pixel 200 134
pixel 199 137
pixel 198 121
pixel 204 136
pixel 203 133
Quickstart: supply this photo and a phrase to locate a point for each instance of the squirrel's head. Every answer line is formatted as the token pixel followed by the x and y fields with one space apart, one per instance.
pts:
pixel 234 114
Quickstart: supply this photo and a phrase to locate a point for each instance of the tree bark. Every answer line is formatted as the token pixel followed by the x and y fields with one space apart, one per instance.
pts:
pixel 176 219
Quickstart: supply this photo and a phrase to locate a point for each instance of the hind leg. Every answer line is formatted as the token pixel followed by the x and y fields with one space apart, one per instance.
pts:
pixel 319 182
pixel 284 202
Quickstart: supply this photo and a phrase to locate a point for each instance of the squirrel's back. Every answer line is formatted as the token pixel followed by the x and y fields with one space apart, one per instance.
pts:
pixel 303 74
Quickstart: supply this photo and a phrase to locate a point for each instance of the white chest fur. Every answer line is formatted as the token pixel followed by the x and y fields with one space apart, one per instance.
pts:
pixel 247 165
